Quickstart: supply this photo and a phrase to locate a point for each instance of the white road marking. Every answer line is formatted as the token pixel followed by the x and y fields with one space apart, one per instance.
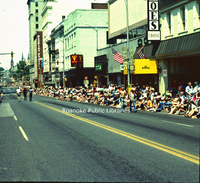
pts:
pixel 15 118
pixel 23 133
pixel 178 123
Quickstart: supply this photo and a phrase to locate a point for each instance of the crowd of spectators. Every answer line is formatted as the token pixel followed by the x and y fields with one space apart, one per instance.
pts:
pixel 185 100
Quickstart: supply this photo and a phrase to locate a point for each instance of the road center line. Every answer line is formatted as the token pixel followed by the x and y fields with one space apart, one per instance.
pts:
pixel 175 152
pixel 23 133
pixel 177 123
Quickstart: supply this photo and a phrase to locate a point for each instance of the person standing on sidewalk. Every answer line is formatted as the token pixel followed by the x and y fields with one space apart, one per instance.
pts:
pixel 122 98
pixel 132 100
pixel 30 93
pixel 18 92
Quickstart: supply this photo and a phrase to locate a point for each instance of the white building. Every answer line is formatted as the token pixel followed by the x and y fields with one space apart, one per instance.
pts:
pixel 52 14
pixel 82 34
pixel 85 33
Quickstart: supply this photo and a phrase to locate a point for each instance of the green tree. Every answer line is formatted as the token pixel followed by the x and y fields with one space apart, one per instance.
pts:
pixel 1 69
pixel 22 68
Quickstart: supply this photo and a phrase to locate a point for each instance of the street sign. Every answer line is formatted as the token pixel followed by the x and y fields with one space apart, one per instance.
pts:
pixel 131 61
pixel 98 67
pixel 131 51
pixel 164 72
pixel 124 49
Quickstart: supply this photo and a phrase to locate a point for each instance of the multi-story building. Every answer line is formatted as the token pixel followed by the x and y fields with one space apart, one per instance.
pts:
pixel 85 33
pixel 179 51
pixel 35 24
pixel 52 14
pixel 82 34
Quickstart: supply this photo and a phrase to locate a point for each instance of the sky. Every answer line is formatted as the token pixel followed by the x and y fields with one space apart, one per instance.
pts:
pixel 14 31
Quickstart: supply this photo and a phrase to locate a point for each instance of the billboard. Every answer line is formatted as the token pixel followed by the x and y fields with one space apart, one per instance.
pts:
pixel 137 10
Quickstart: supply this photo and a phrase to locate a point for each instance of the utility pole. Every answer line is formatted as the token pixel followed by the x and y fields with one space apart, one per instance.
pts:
pixel 127 32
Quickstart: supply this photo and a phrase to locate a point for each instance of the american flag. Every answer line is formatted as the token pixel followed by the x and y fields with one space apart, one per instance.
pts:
pixel 140 54
pixel 117 56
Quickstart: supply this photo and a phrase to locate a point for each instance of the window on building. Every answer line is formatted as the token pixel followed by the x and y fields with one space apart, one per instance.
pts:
pixel 68 43
pixel 198 9
pixel 65 43
pixel 36 11
pixel 183 17
pixel 74 38
pixel 37 26
pixel 169 22
pixel 36 4
pixel 36 19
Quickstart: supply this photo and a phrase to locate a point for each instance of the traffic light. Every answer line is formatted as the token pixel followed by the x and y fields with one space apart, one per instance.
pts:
pixel 57 62
pixel 40 64
pixel 11 54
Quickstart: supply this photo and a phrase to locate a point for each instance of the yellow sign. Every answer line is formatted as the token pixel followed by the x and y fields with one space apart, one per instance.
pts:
pixel 145 66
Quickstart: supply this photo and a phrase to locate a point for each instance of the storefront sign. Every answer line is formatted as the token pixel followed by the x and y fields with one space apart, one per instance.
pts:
pixel 76 60
pixel 153 32
pixel 165 73
pixel 98 67
pixel 145 66
pixel 125 66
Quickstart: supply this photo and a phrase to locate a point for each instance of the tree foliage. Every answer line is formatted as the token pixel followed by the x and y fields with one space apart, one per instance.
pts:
pixel 2 69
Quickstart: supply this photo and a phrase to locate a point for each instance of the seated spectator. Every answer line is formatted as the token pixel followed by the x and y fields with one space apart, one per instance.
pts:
pixel 149 105
pixel 192 109
pixel 177 107
pixel 158 106
pixel 197 115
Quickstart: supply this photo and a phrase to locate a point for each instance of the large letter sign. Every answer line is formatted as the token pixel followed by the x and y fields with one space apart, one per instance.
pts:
pixel 153 32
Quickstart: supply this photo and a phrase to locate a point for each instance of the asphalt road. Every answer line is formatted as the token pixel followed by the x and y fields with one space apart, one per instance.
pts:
pixel 41 140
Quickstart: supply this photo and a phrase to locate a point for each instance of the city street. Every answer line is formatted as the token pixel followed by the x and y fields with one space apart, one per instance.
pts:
pixel 52 140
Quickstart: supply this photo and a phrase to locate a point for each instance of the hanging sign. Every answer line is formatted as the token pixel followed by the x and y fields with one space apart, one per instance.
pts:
pixel 153 32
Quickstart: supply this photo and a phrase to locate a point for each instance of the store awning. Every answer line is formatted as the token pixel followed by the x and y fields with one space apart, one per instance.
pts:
pixel 183 45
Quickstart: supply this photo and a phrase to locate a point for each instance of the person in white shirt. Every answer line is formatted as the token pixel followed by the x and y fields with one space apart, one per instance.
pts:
pixel 18 92
pixel 189 91
pixel 195 90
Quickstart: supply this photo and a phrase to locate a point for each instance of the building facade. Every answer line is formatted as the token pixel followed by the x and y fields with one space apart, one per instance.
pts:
pixel 35 24
pixel 52 14
pixel 179 51
pixel 79 34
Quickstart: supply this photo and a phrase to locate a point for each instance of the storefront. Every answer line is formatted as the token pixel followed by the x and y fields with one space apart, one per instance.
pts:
pixel 180 57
